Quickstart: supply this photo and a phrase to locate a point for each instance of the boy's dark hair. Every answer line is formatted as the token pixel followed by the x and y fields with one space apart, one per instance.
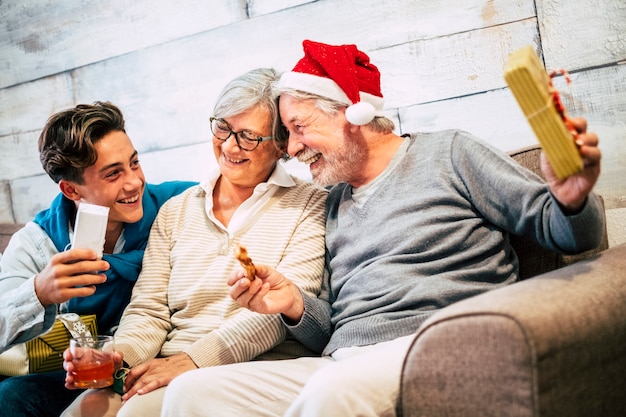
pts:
pixel 66 144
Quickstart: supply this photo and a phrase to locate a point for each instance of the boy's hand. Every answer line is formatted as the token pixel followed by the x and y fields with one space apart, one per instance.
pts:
pixel 69 274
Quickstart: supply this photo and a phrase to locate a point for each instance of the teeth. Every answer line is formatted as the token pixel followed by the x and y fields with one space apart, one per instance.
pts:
pixel 129 200
pixel 309 159
pixel 234 161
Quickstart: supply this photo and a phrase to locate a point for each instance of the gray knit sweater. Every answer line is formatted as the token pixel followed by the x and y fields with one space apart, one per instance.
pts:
pixel 433 232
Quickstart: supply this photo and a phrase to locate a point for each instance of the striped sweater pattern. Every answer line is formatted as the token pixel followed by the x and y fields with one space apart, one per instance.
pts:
pixel 181 303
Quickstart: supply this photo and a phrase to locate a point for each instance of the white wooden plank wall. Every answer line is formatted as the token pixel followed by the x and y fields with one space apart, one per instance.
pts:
pixel 164 63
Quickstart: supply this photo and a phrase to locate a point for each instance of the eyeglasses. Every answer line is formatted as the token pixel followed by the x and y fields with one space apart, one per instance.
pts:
pixel 245 139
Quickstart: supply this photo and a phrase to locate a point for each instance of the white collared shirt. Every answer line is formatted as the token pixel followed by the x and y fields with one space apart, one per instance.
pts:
pixel 263 192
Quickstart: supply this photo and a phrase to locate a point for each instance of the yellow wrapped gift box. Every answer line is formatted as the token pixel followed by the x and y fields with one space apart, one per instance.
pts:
pixel 45 353
pixel 533 90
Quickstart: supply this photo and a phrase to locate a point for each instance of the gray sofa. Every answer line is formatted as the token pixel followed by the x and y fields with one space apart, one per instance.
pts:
pixel 553 344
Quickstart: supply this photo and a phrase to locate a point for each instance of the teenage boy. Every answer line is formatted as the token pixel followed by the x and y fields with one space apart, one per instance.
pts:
pixel 87 152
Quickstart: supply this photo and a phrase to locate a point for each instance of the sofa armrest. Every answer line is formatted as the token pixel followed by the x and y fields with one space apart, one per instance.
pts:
pixel 552 345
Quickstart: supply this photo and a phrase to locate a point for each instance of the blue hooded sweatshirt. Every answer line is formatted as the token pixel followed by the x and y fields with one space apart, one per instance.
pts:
pixel 111 297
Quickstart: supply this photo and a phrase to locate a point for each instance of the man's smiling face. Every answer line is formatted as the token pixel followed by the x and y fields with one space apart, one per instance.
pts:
pixel 320 141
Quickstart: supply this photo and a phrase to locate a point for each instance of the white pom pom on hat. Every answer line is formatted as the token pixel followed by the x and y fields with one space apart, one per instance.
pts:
pixel 360 113
pixel 341 73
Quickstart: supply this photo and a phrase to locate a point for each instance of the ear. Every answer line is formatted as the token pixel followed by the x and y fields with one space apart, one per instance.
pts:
pixel 279 152
pixel 69 190
pixel 354 129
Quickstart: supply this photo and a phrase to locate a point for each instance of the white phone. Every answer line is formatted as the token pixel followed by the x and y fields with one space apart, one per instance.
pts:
pixel 90 227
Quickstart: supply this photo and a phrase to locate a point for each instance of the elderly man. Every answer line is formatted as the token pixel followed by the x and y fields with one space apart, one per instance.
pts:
pixel 414 223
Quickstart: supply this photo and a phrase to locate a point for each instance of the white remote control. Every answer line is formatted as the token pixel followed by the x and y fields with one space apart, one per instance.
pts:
pixel 90 227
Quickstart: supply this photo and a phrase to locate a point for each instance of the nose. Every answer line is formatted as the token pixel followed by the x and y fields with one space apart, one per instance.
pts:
pixel 231 140
pixel 136 178
pixel 294 145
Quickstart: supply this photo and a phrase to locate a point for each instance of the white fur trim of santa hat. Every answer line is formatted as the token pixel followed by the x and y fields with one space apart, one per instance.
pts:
pixel 359 113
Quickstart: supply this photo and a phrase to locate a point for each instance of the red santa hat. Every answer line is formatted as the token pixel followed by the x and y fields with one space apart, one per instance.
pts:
pixel 341 73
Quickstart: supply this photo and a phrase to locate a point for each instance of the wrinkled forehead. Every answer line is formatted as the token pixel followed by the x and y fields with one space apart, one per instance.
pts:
pixel 295 107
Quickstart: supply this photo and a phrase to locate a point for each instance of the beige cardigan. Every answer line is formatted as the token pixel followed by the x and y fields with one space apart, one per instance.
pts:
pixel 181 303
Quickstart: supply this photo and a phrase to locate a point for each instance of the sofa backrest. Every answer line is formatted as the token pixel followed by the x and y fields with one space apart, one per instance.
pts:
pixel 534 259
pixel 6 231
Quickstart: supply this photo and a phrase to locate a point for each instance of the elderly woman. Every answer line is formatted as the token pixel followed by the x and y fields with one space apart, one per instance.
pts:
pixel 181 316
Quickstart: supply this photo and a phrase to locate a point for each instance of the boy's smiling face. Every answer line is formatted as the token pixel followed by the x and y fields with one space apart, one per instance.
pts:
pixel 116 180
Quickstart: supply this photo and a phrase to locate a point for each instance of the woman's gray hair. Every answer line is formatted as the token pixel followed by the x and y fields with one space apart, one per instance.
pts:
pixel 380 124
pixel 249 90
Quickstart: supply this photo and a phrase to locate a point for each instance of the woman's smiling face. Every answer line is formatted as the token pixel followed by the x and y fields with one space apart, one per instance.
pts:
pixel 247 168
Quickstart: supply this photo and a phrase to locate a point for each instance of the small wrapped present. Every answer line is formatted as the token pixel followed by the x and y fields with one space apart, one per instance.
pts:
pixel 45 353
pixel 532 87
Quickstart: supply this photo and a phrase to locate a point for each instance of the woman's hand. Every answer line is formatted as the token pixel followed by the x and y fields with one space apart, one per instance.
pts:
pixel 155 373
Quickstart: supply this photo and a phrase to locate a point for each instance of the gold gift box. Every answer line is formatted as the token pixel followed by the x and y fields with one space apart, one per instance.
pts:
pixel 45 353
pixel 531 86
